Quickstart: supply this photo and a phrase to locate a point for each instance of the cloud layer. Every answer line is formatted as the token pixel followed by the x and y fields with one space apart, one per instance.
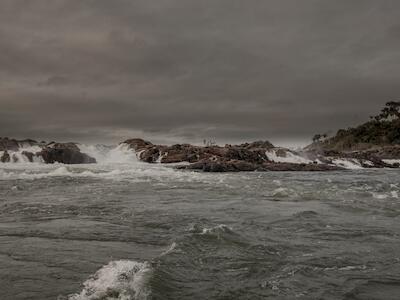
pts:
pixel 102 71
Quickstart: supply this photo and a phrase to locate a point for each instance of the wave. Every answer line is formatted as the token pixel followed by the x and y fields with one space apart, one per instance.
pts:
pixel 167 276
pixel 109 154
pixel 118 280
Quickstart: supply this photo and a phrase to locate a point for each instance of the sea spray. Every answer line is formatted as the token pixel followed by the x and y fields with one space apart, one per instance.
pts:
pixel 118 280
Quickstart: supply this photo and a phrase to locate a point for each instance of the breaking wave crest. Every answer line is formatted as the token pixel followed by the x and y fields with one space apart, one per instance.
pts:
pixel 167 275
pixel 118 280
pixel 109 154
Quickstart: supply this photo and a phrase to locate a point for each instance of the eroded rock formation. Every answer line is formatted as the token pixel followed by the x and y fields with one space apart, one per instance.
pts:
pixel 229 158
pixel 12 150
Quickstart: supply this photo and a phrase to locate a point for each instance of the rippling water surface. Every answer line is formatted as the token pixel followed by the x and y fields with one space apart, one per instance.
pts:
pixel 139 231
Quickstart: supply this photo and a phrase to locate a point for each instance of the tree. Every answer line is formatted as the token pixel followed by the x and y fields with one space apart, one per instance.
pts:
pixel 391 109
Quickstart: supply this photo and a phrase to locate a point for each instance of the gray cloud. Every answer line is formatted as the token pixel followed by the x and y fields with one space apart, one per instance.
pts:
pixel 102 71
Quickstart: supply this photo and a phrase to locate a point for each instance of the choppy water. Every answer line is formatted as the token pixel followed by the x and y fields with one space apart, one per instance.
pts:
pixel 131 230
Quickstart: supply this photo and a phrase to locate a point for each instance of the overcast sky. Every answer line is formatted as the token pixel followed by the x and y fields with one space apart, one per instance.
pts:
pixel 180 71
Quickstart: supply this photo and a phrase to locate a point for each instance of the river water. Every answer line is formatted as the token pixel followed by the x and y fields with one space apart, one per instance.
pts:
pixel 121 229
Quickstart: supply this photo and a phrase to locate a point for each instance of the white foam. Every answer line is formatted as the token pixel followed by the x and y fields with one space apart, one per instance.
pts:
pixel 103 154
pixel 280 192
pixel 368 163
pixel 170 249
pixel 137 172
pixel 379 196
pixel 290 158
pixel 391 161
pixel 347 163
pixel 160 157
pixel 217 229
pixel 277 182
pixel 118 280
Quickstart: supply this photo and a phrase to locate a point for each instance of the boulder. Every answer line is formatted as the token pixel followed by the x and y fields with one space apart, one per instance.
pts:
pixel 67 154
pixel 5 157
pixel 29 155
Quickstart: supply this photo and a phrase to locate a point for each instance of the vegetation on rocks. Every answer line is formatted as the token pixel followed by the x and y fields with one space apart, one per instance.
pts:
pixel 381 130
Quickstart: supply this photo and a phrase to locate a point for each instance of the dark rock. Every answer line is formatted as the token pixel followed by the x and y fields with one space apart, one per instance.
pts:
pixel 240 166
pixel 69 154
pixel 29 155
pixel 70 146
pixel 5 157
pixel 299 167
pixel 138 144
pixel 150 155
pixel 230 158
pixel 257 145
pixel 215 165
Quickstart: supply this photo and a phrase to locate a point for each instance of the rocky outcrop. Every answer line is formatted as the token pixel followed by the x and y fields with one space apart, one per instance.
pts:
pixel 148 152
pixel 374 157
pixel 224 165
pixel 381 132
pixel 229 158
pixel 31 150
pixel 373 144
pixel 67 153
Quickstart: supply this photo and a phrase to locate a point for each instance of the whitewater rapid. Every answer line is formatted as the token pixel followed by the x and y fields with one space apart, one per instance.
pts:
pixel 123 229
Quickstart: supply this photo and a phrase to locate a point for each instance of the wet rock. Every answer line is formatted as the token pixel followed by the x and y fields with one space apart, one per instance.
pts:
pixel 300 167
pixel 5 157
pixel 70 146
pixel 230 158
pixel 257 145
pixel 216 165
pixel 150 154
pixel 138 144
pixel 369 158
pixel 29 155
pixel 189 153
pixel 67 153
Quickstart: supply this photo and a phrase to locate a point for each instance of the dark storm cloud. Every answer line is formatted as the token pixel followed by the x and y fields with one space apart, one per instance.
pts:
pixel 186 70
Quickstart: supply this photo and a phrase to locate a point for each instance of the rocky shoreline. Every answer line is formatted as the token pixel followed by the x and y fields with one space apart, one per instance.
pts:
pixel 262 156
pixel 255 156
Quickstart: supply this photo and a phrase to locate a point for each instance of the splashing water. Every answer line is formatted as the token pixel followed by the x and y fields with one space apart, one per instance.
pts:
pixel 118 280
